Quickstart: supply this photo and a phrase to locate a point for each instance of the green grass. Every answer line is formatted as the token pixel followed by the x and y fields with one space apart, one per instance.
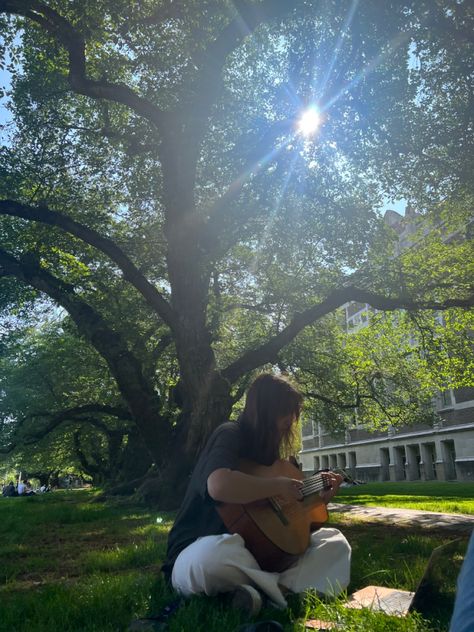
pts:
pixel 69 565
pixel 442 497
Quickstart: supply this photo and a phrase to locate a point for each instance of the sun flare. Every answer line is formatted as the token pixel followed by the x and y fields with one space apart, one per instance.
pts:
pixel 309 122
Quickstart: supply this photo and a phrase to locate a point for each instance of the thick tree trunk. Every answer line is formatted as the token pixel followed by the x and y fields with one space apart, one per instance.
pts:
pixel 136 459
pixel 198 419
pixel 206 395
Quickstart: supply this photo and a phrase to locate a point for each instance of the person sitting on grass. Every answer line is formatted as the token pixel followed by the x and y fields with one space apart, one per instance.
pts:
pixel 9 490
pixel 29 491
pixel 202 557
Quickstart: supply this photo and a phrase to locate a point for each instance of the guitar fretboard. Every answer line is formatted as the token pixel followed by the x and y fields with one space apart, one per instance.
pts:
pixel 314 484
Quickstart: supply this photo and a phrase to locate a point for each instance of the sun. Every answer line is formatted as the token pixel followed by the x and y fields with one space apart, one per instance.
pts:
pixel 309 122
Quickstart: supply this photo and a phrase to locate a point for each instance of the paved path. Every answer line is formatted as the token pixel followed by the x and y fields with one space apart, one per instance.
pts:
pixel 405 517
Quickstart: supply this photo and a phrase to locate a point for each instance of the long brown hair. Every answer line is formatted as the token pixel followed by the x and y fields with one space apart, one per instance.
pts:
pixel 269 398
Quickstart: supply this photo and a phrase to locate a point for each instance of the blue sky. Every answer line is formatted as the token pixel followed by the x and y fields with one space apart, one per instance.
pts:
pixel 398 205
pixel 4 82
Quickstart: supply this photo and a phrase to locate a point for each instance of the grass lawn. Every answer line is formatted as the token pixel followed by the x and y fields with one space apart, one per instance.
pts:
pixel 442 497
pixel 67 564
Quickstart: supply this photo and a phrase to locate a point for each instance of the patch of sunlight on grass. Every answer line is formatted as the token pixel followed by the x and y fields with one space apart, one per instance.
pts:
pixel 351 620
pixel 161 530
pixel 144 516
pixel 424 496
pixel 418 488
pixel 138 554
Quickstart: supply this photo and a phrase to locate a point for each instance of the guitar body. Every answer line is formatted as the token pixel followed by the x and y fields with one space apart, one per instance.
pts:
pixel 276 532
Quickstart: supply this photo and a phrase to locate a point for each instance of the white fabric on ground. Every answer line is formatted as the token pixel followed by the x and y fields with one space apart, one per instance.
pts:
pixel 219 563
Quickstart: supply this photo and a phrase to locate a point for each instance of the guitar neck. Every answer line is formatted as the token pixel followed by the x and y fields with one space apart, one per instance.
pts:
pixel 314 484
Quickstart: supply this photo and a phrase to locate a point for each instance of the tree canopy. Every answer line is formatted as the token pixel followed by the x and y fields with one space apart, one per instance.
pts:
pixel 155 186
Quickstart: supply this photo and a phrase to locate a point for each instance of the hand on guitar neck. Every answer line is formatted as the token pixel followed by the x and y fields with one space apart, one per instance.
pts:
pixel 292 489
pixel 333 481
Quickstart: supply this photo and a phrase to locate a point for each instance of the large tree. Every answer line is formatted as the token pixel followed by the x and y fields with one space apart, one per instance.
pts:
pixel 60 408
pixel 156 187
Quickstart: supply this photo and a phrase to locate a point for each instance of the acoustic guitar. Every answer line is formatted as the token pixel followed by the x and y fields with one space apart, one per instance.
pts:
pixel 277 531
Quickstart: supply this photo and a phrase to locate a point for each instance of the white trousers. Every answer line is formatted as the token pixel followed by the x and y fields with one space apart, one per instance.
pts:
pixel 219 563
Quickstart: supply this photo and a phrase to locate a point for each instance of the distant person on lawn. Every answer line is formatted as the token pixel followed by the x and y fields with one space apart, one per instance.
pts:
pixel 29 491
pixel 9 490
pixel 203 557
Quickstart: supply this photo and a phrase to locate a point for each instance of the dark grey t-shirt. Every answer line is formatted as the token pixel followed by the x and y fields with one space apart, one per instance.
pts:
pixel 197 515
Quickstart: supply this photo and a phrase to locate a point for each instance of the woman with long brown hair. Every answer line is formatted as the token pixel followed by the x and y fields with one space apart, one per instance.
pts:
pixel 202 556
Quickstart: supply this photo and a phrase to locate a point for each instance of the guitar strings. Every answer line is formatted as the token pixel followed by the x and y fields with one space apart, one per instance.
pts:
pixel 310 486
pixel 313 484
pixel 310 481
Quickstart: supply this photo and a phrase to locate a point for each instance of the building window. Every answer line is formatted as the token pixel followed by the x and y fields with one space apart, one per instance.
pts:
pixel 448 452
pixel 464 394
pixel 352 460
pixel 307 428
pixel 341 460
pixel 445 399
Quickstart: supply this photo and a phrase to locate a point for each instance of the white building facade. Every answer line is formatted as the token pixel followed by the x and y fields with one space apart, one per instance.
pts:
pixel 443 451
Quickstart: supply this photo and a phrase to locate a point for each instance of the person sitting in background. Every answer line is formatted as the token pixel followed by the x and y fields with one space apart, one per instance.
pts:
pixel 21 488
pixel 9 490
pixel 202 557
pixel 29 491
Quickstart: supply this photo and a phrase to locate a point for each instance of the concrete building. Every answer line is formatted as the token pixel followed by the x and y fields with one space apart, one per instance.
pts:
pixel 441 451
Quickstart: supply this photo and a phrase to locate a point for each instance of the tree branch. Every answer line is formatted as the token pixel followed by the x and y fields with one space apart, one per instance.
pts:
pixel 137 391
pixel 56 419
pixel 268 351
pixel 133 145
pixel 332 402
pixel 163 343
pixel 104 244
pixel 73 41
